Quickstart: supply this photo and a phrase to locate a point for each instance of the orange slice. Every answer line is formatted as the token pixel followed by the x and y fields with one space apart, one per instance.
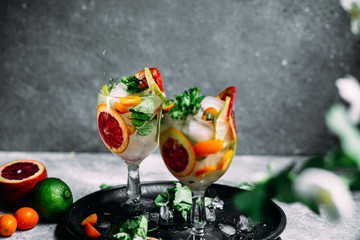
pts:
pixel 112 129
pixel 207 111
pixel 91 219
pixel 205 171
pixel 131 129
pixel 225 162
pixel 121 108
pixel 91 231
pixel 131 100
pixel 205 148
pixel 168 107
pixel 177 152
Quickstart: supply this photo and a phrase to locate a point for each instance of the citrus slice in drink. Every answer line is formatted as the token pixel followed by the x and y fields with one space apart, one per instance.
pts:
pixel 227 110
pixel 177 152
pixel 112 128
pixel 17 178
pixel 225 162
pixel 205 171
pixel 154 85
pixel 205 148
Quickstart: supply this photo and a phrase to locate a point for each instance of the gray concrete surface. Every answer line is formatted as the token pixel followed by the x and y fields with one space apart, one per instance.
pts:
pixel 283 57
pixel 85 172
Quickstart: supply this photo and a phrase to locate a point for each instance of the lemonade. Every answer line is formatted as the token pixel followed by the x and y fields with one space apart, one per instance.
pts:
pixel 197 144
pixel 128 118
pixel 195 169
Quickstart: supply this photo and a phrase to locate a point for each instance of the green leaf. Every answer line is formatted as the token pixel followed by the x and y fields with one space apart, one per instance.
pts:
pixel 134 85
pixel 186 103
pixel 146 129
pixel 129 230
pixel 147 106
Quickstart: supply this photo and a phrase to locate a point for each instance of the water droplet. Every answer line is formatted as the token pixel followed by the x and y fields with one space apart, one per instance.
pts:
pixel 257 54
pixel 24 6
pixel 327 26
pixel 307 9
pixel 284 63
pixel 83 7
pixel 104 52
pixel 106 16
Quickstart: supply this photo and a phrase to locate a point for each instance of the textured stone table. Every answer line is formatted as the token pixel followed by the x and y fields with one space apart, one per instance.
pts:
pixel 85 172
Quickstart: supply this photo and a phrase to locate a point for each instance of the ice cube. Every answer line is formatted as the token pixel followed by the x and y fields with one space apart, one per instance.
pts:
pixel 119 91
pixel 245 224
pixel 198 132
pixel 227 229
pixel 210 214
pixel 217 203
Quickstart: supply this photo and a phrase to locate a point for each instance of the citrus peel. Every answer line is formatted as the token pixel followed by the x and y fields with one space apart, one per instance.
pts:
pixel 205 148
pixel 225 162
pixel 205 171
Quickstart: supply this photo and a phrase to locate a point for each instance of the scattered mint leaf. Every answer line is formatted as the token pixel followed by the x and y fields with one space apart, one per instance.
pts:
pixel 104 186
pixel 177 198
pixel 186 103
pixel 129 230
pixel 134 85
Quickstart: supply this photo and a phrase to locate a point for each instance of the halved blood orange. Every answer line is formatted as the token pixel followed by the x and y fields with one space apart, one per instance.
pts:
pixel 177 152
pixel 17 178
pixel 112 128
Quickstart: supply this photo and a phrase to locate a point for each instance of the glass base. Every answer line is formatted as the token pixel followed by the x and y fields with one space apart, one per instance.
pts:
pixel 137 207
pixel 210 234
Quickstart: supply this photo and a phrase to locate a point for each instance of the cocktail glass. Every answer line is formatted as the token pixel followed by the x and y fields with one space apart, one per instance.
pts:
pixel 128 117
pixel 198 150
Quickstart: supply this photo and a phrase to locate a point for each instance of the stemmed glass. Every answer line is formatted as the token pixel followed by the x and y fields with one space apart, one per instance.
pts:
pixel 128 117
pixel 198 147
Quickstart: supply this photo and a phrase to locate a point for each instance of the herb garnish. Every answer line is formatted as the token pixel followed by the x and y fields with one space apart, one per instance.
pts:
pixel 186 103
pixel 131 229
pixel 134 85
pixel 142 116
pixel 177 198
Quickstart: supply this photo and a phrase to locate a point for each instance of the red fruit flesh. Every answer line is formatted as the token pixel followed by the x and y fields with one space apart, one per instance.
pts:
pixel 155 74
pixel 17 178
pixel 177 152
pixel 112 128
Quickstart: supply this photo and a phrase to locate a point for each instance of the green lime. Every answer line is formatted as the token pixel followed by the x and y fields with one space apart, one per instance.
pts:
pixel 50 197
pixel 152 84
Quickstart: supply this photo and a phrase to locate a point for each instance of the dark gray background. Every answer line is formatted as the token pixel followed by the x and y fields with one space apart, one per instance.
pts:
pixel 282 56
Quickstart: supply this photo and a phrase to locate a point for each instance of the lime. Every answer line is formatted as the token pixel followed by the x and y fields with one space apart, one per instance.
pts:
pixel 152 84
pixel 221 126
pixel 50 197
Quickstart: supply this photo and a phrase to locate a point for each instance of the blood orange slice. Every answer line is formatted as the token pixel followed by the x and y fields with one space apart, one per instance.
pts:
pixel 112 128
pixel 17 178
pixel 177 152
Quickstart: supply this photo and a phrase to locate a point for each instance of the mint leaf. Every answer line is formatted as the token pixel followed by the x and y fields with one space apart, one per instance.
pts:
pixel 129 230
pixel 134 85
pixel 186 103
pixel 146 129
pixel 177 198
pixel 147 106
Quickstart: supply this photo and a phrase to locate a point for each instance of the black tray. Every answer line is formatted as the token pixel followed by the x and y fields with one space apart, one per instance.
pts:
pixel 105 202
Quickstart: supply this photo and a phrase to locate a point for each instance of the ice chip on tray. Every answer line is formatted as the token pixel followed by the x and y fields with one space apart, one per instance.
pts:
pixel 245 224
pixel 166 213
pixel 227 229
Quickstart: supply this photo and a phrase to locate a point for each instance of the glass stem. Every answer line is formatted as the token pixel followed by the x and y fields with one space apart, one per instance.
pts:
pixel 198 213
pixel 133 184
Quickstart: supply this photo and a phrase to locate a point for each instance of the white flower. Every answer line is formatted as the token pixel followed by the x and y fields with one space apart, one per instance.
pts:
pixel 349 90
pixel 353 7
pixel 327 190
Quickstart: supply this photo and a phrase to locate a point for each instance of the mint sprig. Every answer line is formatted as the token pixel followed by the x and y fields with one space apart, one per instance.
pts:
pixel 177 199
pixel 131 229
pixel 186 103
pixel 134 85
